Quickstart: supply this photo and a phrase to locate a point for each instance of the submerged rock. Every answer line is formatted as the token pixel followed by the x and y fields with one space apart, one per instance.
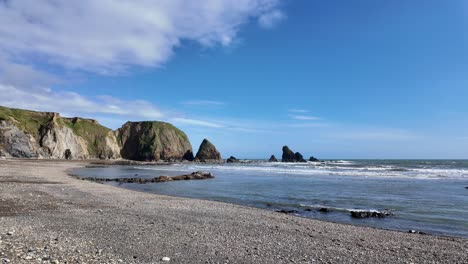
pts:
pixel 287 211
pixel 273 159
pixel 313 159
pixel 324 210
pixel 207 152
pixel 198 175
pixel 232 159
pixel 370 213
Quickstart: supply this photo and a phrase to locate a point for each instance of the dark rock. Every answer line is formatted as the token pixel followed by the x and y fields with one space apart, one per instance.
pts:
pixel 273 159
pixel 199 175
pixel 232 159
pixel 188 155
pixel 299 157
pixel 371 213
pixel 324 210
pixel 466 187
pixel 68 154
pixel 288 155
pixel 207 152
pixel 308 210
pixel 313 159
pixel 287 211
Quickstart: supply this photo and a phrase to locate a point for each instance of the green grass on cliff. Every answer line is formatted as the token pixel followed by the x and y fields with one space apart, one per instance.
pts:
pixel 31 122
pixel 28 121
pixel 90 130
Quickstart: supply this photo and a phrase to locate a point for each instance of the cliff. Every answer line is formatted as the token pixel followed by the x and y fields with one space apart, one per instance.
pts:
pixel 30 134
pixel 207 152
pixel 153 141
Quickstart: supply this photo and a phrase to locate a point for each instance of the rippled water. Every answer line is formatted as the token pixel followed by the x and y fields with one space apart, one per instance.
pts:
pixel 427 195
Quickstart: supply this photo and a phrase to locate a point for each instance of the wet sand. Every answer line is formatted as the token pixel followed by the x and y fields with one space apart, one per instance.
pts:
pixel 46 216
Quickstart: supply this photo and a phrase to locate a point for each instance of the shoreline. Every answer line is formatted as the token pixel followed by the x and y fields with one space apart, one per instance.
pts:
pixel 41 205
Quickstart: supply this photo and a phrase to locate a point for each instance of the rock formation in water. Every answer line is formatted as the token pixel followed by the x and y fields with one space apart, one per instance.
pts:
pixel 29 134
pixel 290 156
pixel 273 159
pixel 207 152
pixel 232 159
pixel 299 158
pixel 153 141
pixel 313 159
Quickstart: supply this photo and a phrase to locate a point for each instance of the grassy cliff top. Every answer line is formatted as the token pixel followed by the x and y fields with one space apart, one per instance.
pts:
pixel 31 122
pixel 158 127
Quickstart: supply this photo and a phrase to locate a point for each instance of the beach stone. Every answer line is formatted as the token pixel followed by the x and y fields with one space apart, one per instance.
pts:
pixel 10 233
pixel 324 210
pixel 166 259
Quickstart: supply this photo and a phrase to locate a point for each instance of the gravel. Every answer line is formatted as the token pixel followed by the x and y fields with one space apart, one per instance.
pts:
pixel 47 216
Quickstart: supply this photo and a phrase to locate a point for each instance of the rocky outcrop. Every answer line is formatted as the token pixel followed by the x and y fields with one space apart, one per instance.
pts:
pixel 370 213
pixel 290 156
pixel 313 159
pixel 299 158
pixel 232 159
pixel 207 152
pixel 273 159
pixel 29 134
pixel 16 143
pixel 153 141
pixel 198 175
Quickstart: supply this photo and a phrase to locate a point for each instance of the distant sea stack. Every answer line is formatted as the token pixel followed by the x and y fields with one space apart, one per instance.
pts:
pixel 153 141
pixel 290 156
pixel 207 152
pixel 273 159
pixel 30 134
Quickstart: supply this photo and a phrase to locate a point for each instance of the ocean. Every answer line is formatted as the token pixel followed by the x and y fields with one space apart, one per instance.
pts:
pixel 428 196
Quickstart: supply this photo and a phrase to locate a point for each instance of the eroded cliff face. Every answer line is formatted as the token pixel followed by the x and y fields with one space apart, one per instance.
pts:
pixel 29 134
pixel 153 141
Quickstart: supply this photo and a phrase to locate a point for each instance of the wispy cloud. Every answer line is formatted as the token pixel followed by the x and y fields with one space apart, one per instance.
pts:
pixel 271 19
pixel 122 33
pixel 304 117
pixel 188 121
pixel 298 111
pixel 203 102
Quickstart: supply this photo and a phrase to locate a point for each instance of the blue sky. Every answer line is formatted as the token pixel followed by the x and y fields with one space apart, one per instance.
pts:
pixel 333 79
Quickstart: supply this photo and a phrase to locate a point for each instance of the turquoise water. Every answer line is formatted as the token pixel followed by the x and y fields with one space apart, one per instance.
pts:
pixel 428 196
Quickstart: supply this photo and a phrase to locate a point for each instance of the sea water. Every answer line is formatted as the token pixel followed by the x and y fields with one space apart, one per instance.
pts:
pixel 425 195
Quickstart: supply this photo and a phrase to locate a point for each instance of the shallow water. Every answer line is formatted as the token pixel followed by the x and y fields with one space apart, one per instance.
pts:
pixel 428 196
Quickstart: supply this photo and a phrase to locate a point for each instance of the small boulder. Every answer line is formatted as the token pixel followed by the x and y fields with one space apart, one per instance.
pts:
pixel 324 210
pixel 232 159
pixel 313 159
pixel 273 159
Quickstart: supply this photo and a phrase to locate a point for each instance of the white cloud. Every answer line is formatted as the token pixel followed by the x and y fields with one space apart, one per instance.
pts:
pixel 304 117
pixel 298 111
pixel 75 104
pixel 271 19
pixel 188 121
pixel 107 36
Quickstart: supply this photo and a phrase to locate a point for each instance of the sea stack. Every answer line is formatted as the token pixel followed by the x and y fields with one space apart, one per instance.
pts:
pixel 290 156
pixel 232 159
pixel 273 159
pixel 154 141
pixel 207 152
